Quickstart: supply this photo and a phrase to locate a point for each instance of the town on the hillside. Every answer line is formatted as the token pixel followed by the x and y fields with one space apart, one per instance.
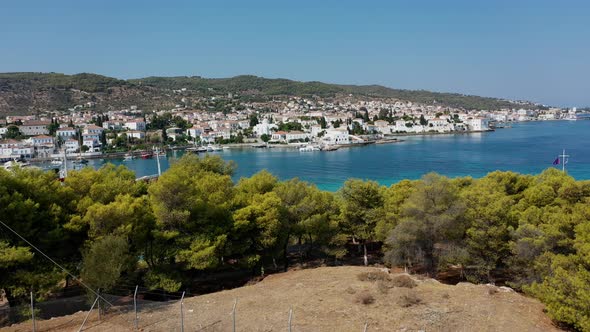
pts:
pixel 333 122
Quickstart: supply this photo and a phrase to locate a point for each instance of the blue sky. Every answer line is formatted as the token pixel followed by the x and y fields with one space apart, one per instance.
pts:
pixel 537 50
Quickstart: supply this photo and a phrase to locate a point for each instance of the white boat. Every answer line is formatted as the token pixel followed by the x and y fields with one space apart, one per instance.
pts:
pixel 211 147
pixel 128 157
pixel 57 162
pixel 15 163
pixel 309 148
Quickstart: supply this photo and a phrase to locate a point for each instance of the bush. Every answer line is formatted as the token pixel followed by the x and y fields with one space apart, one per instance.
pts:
pixel 409 299
pixel 364 298
pixel 404 281
pixel 373 276
pixel 104 261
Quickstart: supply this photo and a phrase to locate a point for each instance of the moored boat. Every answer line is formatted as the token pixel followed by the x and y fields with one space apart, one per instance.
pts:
pixel 309 148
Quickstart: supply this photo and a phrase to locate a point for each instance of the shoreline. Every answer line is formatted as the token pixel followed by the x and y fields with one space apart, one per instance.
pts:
pixel 388 139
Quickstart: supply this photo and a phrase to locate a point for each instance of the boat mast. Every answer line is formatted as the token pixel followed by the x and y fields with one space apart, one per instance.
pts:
pixel 563 157
pixel 158 161
pixel 65 164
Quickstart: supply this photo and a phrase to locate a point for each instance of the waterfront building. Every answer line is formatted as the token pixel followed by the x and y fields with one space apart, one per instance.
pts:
pixel 71 145
pixel 34 128
pixel 477 124
pixel 264 128
pixel 336 136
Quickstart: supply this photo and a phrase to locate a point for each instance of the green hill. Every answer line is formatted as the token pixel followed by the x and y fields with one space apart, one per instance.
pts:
pixel 25 93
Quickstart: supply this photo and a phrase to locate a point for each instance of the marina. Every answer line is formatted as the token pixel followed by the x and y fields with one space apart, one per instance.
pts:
pixel 528 147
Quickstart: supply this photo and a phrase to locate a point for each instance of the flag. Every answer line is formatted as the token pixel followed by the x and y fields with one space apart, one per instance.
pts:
pixel 556 161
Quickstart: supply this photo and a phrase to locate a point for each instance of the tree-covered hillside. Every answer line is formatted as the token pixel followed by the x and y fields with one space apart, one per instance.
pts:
pixel 530 232
pixel 26 93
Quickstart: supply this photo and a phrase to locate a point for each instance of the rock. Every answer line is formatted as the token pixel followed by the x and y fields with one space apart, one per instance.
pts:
pixel 506 289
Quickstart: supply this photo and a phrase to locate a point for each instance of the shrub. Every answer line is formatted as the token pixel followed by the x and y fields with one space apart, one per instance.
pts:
pixel 409 299
pixel 404 281
pixel 364 298
pixel 373 276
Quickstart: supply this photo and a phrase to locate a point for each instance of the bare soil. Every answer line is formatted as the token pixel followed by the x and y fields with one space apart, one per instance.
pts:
pixel 327 299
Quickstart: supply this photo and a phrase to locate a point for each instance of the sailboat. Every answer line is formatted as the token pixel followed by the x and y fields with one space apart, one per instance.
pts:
pixel 80 160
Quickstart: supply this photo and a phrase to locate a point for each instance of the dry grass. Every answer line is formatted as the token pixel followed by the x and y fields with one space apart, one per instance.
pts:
pixel 323 299
pixel 409 299
pixel 373 276
pixel 383 286
pixel 364 298
pixel 404 281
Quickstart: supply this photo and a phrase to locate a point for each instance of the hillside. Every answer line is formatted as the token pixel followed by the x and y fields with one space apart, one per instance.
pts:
pixel 28 93
pixel 330 299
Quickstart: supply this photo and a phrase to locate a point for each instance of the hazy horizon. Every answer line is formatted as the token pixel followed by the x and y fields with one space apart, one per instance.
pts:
pixel 523 50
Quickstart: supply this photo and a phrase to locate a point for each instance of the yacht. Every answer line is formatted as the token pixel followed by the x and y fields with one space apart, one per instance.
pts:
pixel 309 148
pixel 15 163
pixel 57 162
pixel 211 147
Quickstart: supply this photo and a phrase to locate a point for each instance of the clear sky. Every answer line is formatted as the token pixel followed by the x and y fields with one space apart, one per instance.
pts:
pixel 529 49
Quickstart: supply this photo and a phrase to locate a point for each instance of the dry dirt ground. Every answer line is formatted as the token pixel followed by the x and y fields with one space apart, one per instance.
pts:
pixel 330 299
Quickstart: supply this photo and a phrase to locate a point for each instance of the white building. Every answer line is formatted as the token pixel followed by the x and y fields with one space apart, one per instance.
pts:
pixel 478 124
pixel 65 133
pixel 137 124
pixel 93 130
pixel 34 128
pixel 140 135
pixel 42 140
pixel 296 135
pixel 336 136
pixel 264 128
pixel 71 145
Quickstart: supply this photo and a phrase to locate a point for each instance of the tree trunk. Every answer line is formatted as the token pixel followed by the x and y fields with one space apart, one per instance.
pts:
pixel 285 255
pixel 365 258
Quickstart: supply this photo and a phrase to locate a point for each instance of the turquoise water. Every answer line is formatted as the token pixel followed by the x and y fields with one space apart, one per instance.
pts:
pixel 526 148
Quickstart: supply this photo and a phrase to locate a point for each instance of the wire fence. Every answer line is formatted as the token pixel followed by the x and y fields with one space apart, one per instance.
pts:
pixel 139 310
pixel 122 308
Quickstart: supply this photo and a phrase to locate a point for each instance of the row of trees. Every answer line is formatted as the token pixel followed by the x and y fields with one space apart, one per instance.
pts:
pixel 532 231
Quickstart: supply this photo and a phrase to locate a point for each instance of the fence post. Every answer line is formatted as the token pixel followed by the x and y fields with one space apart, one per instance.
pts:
pixel 98 299
pixel 290 316
pixel 33 313
pixel 233 315
pixel 88 314
pixel 135 305
pixel 182 313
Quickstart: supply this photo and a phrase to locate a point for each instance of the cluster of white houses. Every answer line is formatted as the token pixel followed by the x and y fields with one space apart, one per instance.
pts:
pixel 90 136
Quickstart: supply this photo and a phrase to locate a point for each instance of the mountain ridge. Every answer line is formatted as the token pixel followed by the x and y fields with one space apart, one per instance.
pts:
pixel 34 92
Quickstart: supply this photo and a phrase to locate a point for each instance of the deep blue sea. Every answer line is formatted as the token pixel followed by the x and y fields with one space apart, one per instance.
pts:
pixel 528 147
